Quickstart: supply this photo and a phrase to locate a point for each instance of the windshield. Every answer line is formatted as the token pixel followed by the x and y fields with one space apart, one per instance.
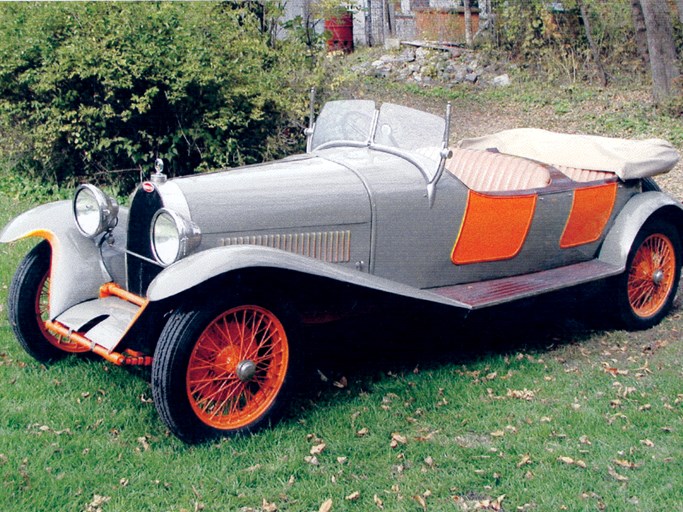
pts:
pixel 351 122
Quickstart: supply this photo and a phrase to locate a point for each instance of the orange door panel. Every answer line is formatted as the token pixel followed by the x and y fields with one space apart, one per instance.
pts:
pixel 591 209
pixel 493 228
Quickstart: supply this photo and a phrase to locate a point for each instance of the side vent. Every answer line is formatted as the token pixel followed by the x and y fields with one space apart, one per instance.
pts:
pixel 329 246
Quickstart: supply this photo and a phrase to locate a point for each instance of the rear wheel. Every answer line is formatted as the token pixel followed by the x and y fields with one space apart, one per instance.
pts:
pixel 28 307
pixel 222 370
pixel 647 289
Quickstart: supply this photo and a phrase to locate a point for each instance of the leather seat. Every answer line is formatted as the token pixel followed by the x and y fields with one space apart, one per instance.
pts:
pixel 583 175
pixel 486 171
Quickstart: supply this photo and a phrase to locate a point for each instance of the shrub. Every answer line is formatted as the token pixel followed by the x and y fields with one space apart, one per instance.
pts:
pixel 98 90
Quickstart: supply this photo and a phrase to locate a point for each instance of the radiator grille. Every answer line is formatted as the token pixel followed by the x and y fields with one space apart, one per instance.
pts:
pixel 329 246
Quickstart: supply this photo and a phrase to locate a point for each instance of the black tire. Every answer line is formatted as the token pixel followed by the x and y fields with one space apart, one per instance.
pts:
pixel 23 303
pixel 646 290
pixel 186 406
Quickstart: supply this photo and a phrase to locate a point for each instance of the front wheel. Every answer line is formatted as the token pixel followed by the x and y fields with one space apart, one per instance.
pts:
pixel 222 370
pixel 645 292
pixel 27 307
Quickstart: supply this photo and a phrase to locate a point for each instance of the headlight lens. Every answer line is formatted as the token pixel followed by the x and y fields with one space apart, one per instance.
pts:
pixel 94 211
pixel 173 236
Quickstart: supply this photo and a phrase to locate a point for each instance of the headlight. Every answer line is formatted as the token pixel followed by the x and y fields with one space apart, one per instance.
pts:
pixel 94 211
pixel 173 236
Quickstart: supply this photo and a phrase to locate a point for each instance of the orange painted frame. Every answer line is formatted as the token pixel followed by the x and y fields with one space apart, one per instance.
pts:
pixel 493 228
pixel 591 209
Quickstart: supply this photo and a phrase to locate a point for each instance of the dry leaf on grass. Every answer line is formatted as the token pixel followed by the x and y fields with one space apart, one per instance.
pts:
pixel 378 502
pixel 363 432
pixel 326 506
pixel 421 501
pixel 353 496
pixel 397 439
pixel 526 459
pixel 268 507
pixel 96 504
pixel 521 394
pixel 615 475
pixel 317 449
pixel 625 464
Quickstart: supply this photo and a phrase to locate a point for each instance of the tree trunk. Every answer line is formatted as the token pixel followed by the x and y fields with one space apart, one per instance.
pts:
pixel 641 31
pixel 468 23
pixel 679 4
pixel 591 43
pixel 663 59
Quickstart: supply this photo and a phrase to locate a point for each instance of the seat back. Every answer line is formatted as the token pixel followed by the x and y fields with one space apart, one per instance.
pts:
pixel 583 175
pixel 486 171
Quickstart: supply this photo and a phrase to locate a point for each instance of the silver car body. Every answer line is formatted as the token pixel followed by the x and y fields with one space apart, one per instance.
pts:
pixel 369 205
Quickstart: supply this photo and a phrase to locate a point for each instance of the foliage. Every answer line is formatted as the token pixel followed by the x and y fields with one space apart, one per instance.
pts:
pixel 103 88
pixel 553 41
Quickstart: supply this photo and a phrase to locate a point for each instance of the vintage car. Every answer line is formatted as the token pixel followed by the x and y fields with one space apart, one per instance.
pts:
pixel 208 278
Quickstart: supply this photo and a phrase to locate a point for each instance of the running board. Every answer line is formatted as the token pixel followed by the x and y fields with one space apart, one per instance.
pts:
pixel 499 291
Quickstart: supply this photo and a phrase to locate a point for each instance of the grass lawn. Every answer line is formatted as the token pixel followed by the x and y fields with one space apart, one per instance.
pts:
pixel 531 408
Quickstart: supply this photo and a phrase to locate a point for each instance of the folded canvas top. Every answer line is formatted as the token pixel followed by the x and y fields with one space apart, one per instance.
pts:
pixel 628 159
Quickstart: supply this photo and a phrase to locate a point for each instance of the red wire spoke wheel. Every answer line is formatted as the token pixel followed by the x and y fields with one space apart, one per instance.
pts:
pixel 42 305
pixel 237 367
pixel 27 307
pixel 225 366
pixel 651 275
pixel 646 291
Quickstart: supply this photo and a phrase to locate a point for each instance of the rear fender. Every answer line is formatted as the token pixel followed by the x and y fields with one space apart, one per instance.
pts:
pixel 76 270
pixel 197 269
pixel 633 216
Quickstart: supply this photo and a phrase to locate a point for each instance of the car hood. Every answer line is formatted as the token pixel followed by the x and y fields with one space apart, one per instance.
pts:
pixel 298 192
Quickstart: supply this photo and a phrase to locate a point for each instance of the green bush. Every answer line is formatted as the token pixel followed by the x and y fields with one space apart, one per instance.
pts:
pixel 549 37
pixel 98 90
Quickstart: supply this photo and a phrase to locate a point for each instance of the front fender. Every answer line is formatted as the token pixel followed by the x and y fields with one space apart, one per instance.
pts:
pixel 200 267
pixel 633 216
pixel 76 270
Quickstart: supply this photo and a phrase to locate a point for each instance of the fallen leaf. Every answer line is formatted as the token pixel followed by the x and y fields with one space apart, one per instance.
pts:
pixel 647 442
pixel 615 475
pixel 363 432
pixel 625 464
pixel 397 439
pixel 378 502
pixel 341 383
pixel 429 461
pixel 342 460
pixel 421 501
pixel 317 449
pixel 524 394
pixel 326 506
pixel 585 440
pixel 566 460
pixel 143 441
pixel 312 460
pixel 497 433
pixel 268 507
pixel 526 459
pixel 353 496
pixel 96 504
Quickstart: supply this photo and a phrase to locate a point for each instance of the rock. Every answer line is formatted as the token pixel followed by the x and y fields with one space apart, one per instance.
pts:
pixel 471 77
pixel 502 80
pixel 391 43
pixel 408 55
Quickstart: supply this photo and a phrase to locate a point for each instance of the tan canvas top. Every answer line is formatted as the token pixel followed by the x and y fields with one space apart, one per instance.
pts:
pixel 628 159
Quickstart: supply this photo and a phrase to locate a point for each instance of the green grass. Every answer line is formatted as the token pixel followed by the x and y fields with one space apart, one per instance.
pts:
pixel 553 417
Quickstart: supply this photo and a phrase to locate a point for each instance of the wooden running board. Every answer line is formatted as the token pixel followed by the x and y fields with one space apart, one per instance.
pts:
pixel 499 291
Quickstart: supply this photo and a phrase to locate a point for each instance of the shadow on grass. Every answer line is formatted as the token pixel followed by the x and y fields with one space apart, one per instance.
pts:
pixel 406 336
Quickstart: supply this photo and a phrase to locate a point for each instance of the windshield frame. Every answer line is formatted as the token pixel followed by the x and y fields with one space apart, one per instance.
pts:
pixel 428 159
